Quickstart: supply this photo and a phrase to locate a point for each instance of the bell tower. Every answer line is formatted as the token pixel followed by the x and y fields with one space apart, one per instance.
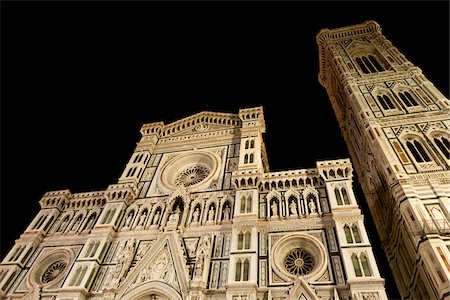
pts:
pixel 395 123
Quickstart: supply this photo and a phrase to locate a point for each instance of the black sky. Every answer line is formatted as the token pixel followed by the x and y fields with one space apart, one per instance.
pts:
pixel 80 78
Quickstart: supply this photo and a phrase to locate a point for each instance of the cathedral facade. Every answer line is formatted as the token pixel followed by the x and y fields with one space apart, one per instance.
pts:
pixel 196 215
pixel 395 123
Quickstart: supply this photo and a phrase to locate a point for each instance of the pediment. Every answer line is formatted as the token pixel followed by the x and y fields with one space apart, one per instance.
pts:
pixel 201 123
pixel 164 263
pixel 302 291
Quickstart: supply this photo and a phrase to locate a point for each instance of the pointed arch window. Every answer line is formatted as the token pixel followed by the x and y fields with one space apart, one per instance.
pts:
pixel 356 266
pixel 338 196
pixel 369 64
pixel 408 99
pixel 418 151
pixel 355 232
pixel 252 144
pixel 246 159
pixel 237 276
pixel 385 102
pixel 247 237
pixel 348 234
pixel 252 158
pixel 240 241
pixel 246 144
pixel 365 265
pixel 341 196
pixel 345 196
pixel 444 145
pixel 246 204
pixel 242 270
pixel 243 240
pixel 361 265
pixel 352 234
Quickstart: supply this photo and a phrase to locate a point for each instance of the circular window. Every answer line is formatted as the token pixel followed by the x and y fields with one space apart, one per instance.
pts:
pixel 194 170
pixel 191 176
pixel 299 255
pixel 50 268
pixel 53 271
pixel 299 262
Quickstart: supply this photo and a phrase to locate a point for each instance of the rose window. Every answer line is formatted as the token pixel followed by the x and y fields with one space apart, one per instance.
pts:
pixel 192 175
pixel 53 271
pixel 299 262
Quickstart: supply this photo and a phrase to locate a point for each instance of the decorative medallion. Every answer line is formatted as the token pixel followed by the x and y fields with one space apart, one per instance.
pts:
pixel 299 262
pixel 53 271
pixel 191 175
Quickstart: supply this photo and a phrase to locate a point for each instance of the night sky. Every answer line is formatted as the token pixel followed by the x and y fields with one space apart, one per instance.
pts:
pixel 80 78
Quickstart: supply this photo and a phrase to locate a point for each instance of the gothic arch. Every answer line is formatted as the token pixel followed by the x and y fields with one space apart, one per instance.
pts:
pixel 310 191
pixel 157 288
pixel 414 138
pixel 439 139
pixel 292 193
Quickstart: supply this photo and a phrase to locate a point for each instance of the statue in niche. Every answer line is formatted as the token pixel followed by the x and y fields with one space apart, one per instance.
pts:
pixel 76 224
pixel 274 207
pixel 63 224
pixel 211 214
pixel 130 217
pixel 293 208
pixel 226 213
pixel 90 223
pixel 142 218
pixel 156 218
pixel 175 216
pixel 196 215
pixel 312 205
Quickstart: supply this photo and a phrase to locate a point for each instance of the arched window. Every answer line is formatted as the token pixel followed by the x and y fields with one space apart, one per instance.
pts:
pixel 252 144
pixel 252 157
pixel 246 270
pixel 408 99
pixel 444 145
pixel 238 271
pixel 240 241
pixel 369 64
pixel 417 150
pixel 362 66
pixel 338 196
pixel 376 64
pixel 356 266
pixel 246 204
pixel 355 232
pixel 365 265
pixel 246 159
pixel 385 102
pixel 345 196
pixel 246 144
pixel 247 240
pixel 348 234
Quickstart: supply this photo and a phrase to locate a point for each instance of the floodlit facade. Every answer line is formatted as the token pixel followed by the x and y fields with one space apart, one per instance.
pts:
pixel 196 215
pixel 395 123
